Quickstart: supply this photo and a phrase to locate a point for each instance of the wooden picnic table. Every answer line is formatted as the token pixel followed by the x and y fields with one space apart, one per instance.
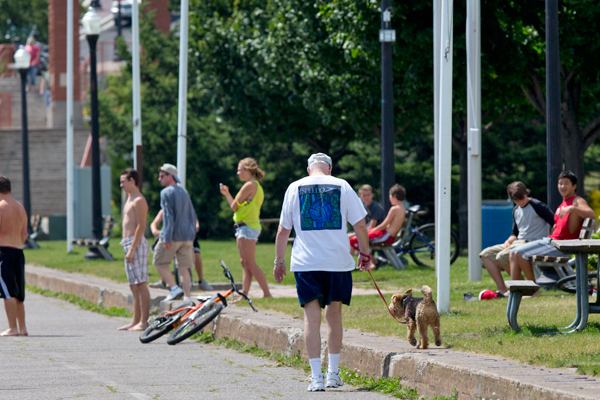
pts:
pixel 581 249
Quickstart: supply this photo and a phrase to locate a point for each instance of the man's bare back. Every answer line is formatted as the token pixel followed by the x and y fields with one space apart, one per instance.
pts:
pixel 397 214
pixel 13 222
pixel 394 220
pixel 130 217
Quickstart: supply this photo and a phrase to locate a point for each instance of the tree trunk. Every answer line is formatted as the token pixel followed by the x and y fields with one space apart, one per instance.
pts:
pixel 573 151
pixel 463 196
pixel 572 137
pixel 459 143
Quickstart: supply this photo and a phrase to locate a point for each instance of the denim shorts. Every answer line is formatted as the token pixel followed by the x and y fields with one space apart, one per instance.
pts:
pixel 326 286
pixel 247 233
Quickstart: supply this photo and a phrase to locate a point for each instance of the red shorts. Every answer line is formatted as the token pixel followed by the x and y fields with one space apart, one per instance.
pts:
pixel 374 237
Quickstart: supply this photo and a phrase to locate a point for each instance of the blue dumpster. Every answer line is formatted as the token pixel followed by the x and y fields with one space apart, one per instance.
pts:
pixel 496 222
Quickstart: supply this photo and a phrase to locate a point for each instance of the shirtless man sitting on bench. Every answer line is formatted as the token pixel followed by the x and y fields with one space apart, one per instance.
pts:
pixel 386 231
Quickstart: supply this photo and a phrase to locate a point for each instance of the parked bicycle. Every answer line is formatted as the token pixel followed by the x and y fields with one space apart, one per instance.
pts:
pixel 190 318
pixel 418 242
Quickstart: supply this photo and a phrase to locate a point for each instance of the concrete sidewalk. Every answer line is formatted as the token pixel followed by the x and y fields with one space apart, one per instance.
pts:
pixel 436 371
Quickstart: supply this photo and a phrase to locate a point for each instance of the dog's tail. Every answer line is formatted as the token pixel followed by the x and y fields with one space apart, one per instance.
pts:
pixel 426 290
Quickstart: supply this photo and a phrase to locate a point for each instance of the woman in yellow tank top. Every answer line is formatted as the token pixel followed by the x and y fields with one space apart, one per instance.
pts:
pixel 246 206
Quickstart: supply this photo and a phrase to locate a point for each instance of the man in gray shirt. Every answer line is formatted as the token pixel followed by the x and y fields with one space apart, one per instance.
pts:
pixel 532 220
pixel 177 234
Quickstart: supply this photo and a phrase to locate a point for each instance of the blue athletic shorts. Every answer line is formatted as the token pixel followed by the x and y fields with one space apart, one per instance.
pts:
pixel 325 286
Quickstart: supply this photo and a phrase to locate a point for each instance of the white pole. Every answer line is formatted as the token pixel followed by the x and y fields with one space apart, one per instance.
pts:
pixel 182 115
pixel 436 102
pixel 442 233
pixel 70 162
pixel 135 53
pixel 474 135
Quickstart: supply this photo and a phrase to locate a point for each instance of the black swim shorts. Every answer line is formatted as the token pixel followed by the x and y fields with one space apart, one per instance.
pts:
pixel 12 273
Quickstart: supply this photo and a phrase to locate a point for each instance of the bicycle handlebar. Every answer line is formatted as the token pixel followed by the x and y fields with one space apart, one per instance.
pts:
pixel 227 274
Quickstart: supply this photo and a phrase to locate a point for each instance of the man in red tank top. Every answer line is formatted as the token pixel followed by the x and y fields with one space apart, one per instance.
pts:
pixel 568 219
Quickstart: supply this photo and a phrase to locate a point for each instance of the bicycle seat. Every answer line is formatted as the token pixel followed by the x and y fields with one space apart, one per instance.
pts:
pixel 202 299
pixel 414 209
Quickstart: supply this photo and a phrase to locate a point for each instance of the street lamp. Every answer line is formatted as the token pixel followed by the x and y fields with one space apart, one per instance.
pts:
pixel 387 36
pixel 22 59
pixel 118 22
pixel 91 26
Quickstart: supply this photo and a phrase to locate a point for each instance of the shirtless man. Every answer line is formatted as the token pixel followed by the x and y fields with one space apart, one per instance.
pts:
pixel 568 220
pixel 386 231
pixel 136 249
pixel 13 232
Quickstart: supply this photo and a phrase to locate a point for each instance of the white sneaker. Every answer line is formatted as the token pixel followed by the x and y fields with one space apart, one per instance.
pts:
pixel 333 380
pixel 203 285
pixel 174 294
pixel 316 384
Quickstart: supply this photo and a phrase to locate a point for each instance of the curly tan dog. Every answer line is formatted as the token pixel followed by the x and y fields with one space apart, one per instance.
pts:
pixel 420 312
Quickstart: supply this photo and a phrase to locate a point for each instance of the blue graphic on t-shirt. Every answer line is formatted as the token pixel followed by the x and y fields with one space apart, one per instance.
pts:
pixel 320 207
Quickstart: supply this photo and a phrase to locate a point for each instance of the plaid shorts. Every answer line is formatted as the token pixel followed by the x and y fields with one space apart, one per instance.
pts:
pixel 137 271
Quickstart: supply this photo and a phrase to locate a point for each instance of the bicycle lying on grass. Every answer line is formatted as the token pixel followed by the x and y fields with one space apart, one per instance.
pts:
pixel 190 318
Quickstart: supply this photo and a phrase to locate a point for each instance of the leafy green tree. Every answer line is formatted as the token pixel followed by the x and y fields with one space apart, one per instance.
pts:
pixel 19 19
pixel 214 147
pixel 523 25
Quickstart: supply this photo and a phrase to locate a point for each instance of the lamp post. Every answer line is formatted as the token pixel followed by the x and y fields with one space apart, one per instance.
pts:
pixel 553 113
pixel 22 59
pixel 91 27
pixel 118 22
pixel 387 36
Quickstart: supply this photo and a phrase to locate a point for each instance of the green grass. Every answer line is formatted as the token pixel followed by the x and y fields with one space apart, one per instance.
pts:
pixel 477 326
pixel 53 254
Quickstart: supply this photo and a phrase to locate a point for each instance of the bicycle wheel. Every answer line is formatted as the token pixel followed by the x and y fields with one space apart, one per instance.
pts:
pixel 159 327
pixel 193 325
pixel 422 246
pixel 568 284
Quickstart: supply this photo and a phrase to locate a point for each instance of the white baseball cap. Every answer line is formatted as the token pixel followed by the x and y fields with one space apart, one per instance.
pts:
pixel 320 157
pixel 170 169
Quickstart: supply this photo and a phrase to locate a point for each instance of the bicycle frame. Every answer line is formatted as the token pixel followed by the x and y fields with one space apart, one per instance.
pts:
pixel 193 311
pixel 423 238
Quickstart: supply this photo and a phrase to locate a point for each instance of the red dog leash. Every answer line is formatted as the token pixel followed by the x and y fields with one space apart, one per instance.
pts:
pixel 386 304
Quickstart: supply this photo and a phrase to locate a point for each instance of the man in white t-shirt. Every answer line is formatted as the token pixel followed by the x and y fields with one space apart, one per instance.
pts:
pixel 319 208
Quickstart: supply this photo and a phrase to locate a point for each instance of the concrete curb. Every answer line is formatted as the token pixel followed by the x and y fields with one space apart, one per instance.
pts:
pixel 433 372
pixel 99 291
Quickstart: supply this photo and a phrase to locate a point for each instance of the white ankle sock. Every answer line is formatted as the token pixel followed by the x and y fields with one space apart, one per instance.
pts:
pixel 315 366
pixel 334 360
pixel 174 288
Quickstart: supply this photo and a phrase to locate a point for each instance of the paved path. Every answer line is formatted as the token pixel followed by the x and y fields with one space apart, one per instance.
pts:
pixel 436 371
pixel 72 353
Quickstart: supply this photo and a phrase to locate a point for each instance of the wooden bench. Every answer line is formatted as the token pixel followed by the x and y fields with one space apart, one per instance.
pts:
pixel 517 289
pixel 390 249
pixel 563 266
pixel 101 244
